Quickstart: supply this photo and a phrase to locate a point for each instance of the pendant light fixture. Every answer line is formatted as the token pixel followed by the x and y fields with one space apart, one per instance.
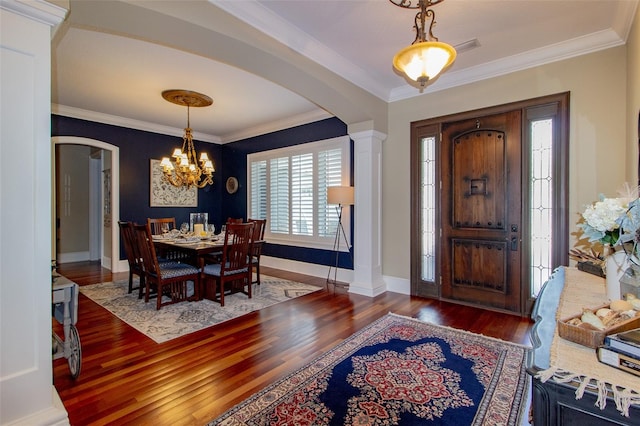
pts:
pixel 426 57
pixel 186 169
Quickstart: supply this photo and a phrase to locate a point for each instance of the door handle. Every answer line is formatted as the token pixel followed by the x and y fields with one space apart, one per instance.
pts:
pixel 514 243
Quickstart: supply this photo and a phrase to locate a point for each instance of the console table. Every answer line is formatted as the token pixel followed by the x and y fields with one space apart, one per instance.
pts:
pixel 570 385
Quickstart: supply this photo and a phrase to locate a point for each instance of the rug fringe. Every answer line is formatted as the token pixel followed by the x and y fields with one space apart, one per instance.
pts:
pixel 622 397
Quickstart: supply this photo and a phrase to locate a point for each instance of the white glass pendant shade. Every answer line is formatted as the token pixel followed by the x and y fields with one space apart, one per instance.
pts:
pixel 423 61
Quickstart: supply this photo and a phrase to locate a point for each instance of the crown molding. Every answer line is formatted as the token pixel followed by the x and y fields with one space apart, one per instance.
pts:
pixel 129 123
pixel 274 126
pixel 263 19
pixel 569 49
pixel 38 10
pixel 286 123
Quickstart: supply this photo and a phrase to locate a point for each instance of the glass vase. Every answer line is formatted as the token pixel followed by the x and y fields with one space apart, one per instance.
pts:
pixel 617 263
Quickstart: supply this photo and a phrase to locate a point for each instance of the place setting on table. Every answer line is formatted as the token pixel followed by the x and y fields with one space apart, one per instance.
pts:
pixel 184 237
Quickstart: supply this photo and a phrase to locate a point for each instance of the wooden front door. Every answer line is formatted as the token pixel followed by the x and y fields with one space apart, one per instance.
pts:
pixel 481 211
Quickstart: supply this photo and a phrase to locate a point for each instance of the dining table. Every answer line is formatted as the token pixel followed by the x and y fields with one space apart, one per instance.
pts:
pixel 195 248
pixel 198 249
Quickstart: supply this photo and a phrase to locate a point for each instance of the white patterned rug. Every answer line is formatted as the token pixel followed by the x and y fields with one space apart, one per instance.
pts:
pixel 176 320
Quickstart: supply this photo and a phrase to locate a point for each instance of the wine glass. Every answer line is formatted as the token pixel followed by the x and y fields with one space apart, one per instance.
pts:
pixel 184 228
pixel 164 227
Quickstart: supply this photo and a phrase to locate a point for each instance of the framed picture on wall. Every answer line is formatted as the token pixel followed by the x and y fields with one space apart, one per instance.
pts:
pixel 163 194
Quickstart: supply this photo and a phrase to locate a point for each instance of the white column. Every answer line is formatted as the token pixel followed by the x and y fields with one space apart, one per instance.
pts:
pixel 367 274
pixel 27 395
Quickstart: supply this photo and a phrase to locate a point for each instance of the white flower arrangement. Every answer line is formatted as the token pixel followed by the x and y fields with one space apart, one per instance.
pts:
pixel 601 220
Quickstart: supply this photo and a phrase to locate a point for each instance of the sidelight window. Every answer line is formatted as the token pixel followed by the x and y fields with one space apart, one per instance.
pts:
pixel 428 201
pixel 541 202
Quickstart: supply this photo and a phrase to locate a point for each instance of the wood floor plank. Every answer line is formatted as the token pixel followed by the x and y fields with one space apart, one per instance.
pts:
pixel 127 378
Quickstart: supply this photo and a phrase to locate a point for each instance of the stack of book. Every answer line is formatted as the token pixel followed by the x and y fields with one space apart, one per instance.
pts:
pixel 622 350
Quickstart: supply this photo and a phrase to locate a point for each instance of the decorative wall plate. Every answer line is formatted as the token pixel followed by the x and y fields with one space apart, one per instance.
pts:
pixel 232 185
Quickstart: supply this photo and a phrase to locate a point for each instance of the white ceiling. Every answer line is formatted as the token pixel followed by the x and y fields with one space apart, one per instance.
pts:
pixel 111 78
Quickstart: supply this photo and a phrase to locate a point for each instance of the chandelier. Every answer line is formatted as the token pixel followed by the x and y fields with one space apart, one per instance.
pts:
pixel 184 170
pixel 426 57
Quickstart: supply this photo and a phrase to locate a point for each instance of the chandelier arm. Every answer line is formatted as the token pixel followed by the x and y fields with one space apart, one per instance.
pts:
pixel 205 182
pixel 432 14
pixel 419 26
pixel 170 177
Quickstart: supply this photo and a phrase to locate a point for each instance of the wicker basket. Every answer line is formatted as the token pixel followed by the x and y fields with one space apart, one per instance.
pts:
pixel 593 338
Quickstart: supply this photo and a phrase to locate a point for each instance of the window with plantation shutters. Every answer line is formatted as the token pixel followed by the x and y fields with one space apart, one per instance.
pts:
pixel 288 187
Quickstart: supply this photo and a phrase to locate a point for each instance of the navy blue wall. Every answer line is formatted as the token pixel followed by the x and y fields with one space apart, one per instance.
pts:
pixel 138 147
pixel 234 157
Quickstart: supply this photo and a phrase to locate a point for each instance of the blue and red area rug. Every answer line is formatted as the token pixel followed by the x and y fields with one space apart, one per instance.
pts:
pixel 398 371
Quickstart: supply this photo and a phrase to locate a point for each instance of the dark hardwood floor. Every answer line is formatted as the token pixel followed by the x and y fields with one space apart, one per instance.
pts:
pixel 127 378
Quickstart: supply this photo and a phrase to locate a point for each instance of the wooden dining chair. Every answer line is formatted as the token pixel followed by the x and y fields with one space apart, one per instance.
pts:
pixel 134 258
pixel 258 241
pixel 156 224
pixel 234 265
pixel 215 257
pixel 169 278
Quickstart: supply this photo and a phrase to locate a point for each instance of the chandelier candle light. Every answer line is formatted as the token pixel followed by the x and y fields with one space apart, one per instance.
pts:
pixel 426 57
pixel 185 170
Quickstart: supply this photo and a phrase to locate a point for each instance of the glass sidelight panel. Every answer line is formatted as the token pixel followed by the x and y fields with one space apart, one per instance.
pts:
pixel 541 202
pixel 428 201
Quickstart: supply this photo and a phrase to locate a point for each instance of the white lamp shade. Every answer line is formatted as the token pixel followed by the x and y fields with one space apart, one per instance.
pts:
pixel 342 195
pixel 166 164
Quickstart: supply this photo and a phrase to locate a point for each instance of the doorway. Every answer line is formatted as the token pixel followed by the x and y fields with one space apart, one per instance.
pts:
pixel 104 206
pixel 489 203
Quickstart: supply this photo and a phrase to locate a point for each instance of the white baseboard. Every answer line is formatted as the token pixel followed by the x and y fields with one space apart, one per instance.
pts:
pixel 397 285
pixel 80 256
pixel 321 271
pixel 55 415
pixel 106 262
pixel 393 284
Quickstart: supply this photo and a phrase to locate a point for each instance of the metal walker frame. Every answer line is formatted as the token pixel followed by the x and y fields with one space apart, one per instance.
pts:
pixel 64 299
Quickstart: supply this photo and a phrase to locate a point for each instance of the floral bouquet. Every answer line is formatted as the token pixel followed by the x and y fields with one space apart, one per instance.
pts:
pixel 615 222
pixel 601 220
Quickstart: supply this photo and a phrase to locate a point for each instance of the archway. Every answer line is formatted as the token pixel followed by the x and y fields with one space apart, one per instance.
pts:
pixel 114 196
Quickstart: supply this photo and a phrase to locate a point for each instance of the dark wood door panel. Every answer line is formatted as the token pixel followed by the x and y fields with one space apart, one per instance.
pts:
pixel 480 265
pixel 479 184
pixel 481 211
